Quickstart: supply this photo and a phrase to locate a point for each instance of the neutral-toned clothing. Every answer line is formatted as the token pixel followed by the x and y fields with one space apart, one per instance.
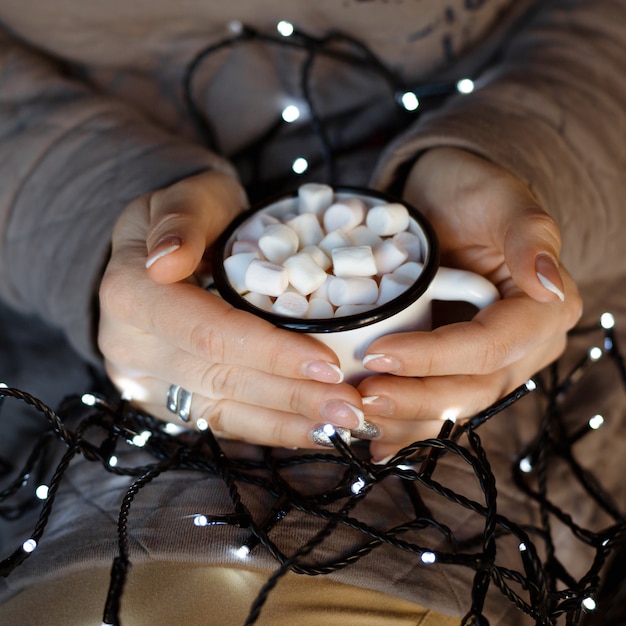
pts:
pixel 92 114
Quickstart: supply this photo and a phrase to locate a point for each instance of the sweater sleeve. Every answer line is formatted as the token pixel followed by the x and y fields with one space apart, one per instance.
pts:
pixel 70 161
pixel 552 111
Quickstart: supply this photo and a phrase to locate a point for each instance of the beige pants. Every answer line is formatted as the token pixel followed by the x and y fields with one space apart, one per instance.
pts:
pixel 164 594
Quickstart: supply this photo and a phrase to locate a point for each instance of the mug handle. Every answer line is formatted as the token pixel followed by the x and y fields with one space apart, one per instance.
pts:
pixel 455 284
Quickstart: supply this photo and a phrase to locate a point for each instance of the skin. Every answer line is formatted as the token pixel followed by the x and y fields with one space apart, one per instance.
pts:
pixel 254 382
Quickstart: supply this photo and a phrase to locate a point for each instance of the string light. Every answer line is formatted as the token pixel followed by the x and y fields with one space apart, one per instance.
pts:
pixel 29 545
pixel 113 460
pixel 607 321
pixel 428 558
pixel 300 165
pixel 525 465
pixel 290 113
pixel 531 385
pixel 596 421
pixel 409 101
pixel 595 353
pixel 42 492
pixel 465 85
pixel 186 453
pixel 242 552
pixel 202 424
pixel 285 28
pixel 88 399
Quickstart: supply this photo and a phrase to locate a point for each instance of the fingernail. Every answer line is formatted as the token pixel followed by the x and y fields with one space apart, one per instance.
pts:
pixel 549 275
pixel 163 248
pixel 320 435
pixel 322 371
pixel 384 460
pixel 340 413
pixel 367 431
pixel 381 363
pixel 377 405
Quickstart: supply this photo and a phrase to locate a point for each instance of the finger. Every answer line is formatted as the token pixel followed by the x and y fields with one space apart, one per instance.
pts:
pixel 184 219
pixel 532 246
pixel 484 345
pixel 409 403
pixel 339 405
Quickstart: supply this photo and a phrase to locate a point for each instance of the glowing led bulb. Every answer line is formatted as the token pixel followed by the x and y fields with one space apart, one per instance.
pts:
pixel 409 101
pixel 522 547
pixel 235 27
pixel 290 113
pixel 589 603
pixel 29 545
pixel 450 414
pixel 172 429
pixel 113 460
pixel 595 353
pixel 428 558
pixel 202 424
pixel 243 552
pixel 329 430
pixel 285 28
pixel 300 165
pixel 607 321
pixel 465 85
pixel 3 386
pixel 42 492
pixel 139 441
pixel 531 385
pixel 200 520
pixel 525 465
pixel 596 421
pixel 88 399
pixel 357 486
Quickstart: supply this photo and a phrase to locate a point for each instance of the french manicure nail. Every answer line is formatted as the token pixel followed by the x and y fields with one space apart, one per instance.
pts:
pixel 367 431
pixel 381 363
pixel 320 435
pixel 322 371
pixel 378 405
pixel 340 413
pixel 163 248
pixel 549 275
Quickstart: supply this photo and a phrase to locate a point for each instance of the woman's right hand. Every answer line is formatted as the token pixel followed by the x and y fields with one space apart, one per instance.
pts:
pixel 158 327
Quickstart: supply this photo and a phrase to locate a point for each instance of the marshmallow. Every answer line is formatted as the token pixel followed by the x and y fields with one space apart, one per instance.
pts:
pixel 410 271
pixel 266 278
pixel 320 309
pixel 236 266
pixel 391 286
pixel 252 229
pixel 334 239
pixel 259 300
pixel 345 215
pixel 305 275
pixel 388 219
pixel 353 261
pixel 388 256
pixel 291 304
pixel 357 290
pixel 409 242
pixel 362 236
pixel 314 198
pixel 278 242
pixel 318 255
pixel 308 229
pixel 352 309
pixel 245 246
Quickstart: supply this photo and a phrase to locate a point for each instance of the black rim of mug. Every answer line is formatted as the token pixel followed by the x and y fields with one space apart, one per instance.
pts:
pixel 333 324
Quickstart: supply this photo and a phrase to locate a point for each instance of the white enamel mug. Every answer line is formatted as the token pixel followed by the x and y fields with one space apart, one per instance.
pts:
pixel 350 335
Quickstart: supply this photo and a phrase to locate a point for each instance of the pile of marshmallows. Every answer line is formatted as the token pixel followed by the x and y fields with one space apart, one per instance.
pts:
pixel 329 255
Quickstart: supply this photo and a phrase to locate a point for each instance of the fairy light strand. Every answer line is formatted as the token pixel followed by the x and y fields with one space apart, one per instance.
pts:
pixel 543 590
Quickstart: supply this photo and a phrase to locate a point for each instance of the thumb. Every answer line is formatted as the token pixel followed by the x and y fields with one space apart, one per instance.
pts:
pixel 185 219
pixel 531 250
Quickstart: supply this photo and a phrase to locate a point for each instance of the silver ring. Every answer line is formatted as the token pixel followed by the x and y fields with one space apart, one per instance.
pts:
pixel 179 402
